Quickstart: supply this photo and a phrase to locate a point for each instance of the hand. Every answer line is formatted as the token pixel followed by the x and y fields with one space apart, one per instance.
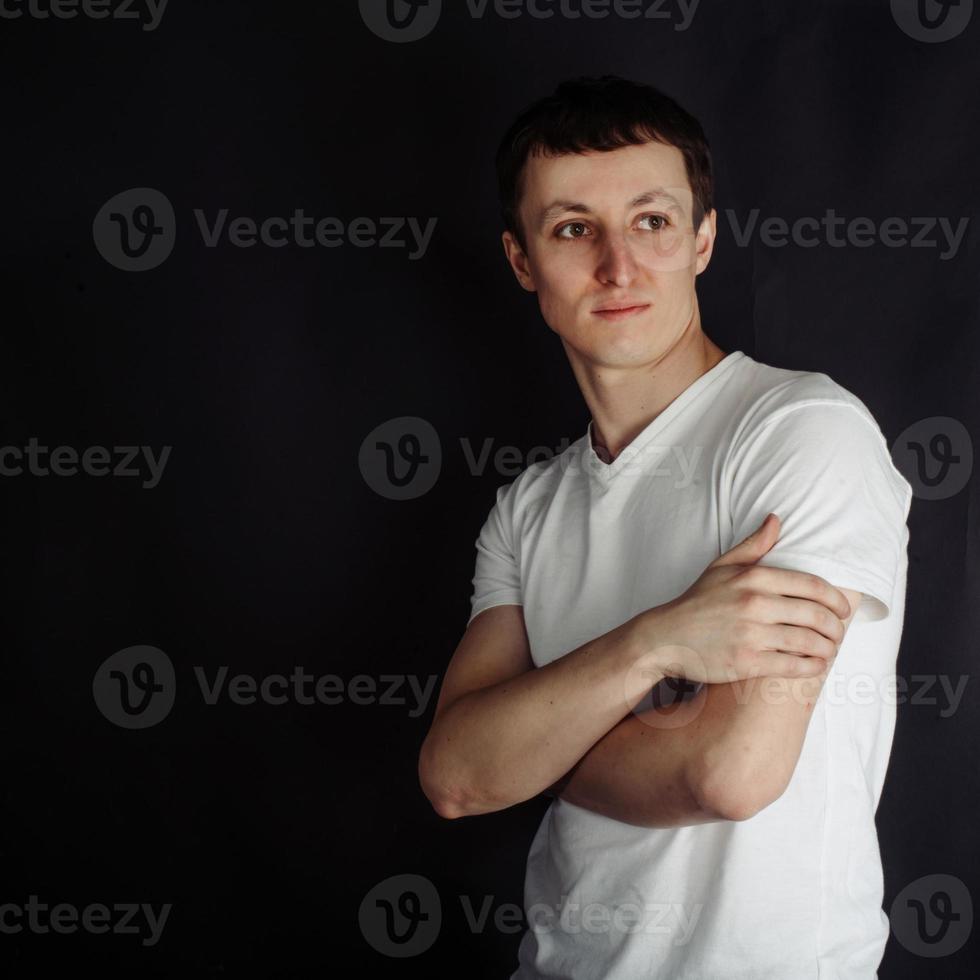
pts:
pixel 743 620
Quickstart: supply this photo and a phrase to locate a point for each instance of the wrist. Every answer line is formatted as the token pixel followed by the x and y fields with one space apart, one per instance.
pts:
pixel 664 634
pixel 647 651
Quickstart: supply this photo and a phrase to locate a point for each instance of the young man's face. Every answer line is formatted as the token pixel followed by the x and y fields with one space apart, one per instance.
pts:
pixel 608 229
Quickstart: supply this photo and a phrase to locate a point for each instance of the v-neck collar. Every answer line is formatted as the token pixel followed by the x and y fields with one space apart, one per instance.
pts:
pixel 607 471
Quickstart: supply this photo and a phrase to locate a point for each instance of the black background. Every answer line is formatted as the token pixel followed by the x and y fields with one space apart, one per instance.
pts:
pixel 264 546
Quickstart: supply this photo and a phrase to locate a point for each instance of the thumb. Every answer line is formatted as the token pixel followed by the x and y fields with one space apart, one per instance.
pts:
pixel 754 546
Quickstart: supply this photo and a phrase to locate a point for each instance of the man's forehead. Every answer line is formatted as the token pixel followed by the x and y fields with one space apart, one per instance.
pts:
pixel 623 172
pixel 629 176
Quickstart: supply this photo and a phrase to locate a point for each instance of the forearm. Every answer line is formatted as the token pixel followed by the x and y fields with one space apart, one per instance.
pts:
pixel 642 772
pixel 756 730
pixel 723 755
pixel 692 763
pixel 504 744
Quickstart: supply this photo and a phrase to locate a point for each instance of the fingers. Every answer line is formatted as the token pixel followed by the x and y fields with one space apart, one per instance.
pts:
pixel 803 585
pixel 784 611
pixel 753 547
pixel 800 640
pixel 774 664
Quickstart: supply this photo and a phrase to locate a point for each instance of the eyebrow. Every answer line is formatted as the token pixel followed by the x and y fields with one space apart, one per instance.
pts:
pixel 577 207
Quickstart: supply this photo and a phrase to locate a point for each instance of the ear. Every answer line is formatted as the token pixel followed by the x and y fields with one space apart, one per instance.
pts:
pixel 705 241
pixel 518 262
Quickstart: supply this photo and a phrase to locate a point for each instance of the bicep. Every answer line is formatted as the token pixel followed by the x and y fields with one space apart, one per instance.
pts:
pixel 770 716
pixel 826 470
pixel 494 648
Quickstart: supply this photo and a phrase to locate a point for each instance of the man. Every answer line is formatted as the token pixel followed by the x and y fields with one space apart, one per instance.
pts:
pixel 731 834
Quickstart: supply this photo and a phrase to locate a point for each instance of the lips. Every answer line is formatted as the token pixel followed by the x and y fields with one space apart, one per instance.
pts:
pixel 620 311
pixel 620 305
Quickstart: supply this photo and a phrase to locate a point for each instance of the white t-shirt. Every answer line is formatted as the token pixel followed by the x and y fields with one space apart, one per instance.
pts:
pixel 796 891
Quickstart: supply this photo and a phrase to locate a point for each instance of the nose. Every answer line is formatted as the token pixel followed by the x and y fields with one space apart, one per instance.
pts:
pixel 617 264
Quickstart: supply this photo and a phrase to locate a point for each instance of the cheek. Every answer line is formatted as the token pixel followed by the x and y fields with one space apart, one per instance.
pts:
pixel 560 283
pixel 671 267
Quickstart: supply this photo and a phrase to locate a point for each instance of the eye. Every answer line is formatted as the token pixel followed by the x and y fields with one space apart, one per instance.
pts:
pixel 560 231
pixel 661 218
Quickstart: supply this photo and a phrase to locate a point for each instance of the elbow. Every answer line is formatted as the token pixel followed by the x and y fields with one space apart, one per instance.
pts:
pixel 447 808
pixel 447 804
pixel 737 808
pixel 453 790
pixel 727 796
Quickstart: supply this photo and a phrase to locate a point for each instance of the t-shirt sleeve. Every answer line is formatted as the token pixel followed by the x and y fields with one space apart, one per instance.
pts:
pixel 825 470
pixel 497 579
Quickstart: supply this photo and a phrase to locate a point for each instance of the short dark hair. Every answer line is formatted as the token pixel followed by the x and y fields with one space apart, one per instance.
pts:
pixel 602 113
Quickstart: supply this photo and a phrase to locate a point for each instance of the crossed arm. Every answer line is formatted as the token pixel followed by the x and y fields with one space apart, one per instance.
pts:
pixel 727 753
pixel 505 732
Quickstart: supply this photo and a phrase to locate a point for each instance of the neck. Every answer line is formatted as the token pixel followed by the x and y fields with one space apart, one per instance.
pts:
pixel 623 402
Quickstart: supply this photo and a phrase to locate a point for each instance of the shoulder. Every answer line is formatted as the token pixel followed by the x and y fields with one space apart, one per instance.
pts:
pixel 539 480
pixel 804 425
pixel 810 402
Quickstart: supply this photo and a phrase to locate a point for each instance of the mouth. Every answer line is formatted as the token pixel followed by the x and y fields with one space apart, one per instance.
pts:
pixel 616 312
